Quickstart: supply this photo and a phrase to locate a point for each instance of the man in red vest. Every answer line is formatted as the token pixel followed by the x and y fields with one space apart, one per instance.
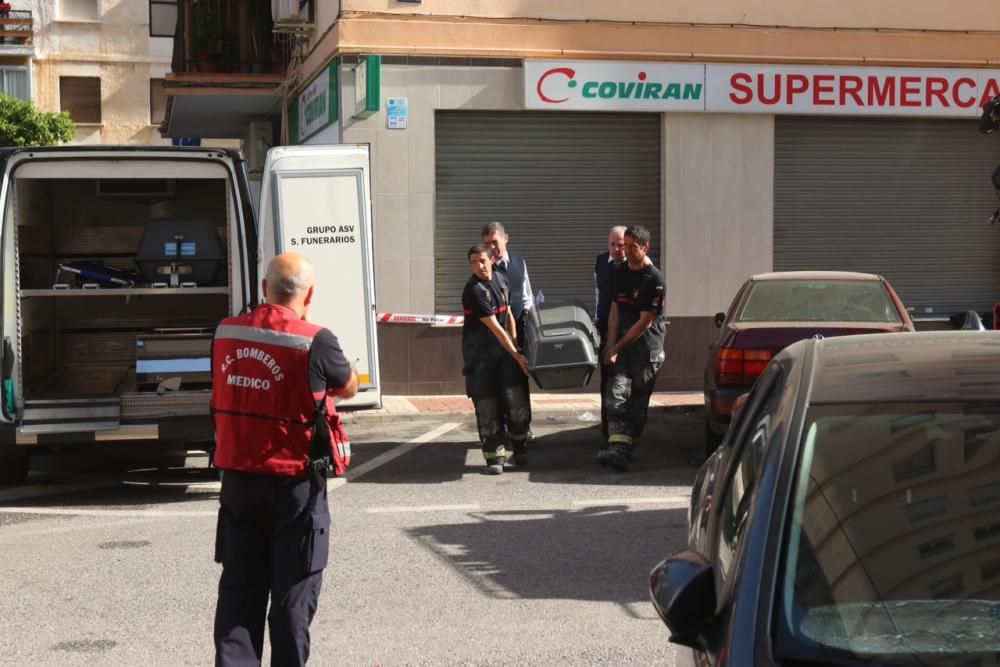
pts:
pixel 274 376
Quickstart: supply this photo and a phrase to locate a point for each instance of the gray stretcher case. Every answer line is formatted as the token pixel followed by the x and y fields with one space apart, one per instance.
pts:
pixel 562 345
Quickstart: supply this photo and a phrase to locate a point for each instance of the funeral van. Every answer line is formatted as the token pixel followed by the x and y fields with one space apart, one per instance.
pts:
pixel 118 262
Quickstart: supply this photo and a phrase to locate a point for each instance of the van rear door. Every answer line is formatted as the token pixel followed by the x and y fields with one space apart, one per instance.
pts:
pixel 316 201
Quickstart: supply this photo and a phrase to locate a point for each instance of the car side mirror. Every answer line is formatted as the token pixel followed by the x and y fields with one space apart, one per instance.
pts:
pixel 719 319
pixel 682 588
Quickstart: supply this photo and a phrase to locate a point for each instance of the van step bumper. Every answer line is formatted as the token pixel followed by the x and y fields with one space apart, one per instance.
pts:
pixel 68 415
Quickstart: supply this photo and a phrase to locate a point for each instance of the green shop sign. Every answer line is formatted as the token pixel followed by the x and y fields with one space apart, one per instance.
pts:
pixel 367 86
pixel 316 106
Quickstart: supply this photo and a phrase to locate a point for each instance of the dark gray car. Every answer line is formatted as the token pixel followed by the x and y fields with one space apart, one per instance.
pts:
pixel 852 515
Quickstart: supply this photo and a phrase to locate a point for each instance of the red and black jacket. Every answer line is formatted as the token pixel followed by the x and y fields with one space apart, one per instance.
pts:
pixel 263 406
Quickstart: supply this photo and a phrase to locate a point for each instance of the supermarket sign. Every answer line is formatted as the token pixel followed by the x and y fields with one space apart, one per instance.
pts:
pixel 759 89
pixel 592 86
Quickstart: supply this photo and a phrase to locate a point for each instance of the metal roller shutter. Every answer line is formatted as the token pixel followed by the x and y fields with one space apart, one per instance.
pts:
pixel 909 199
pixel 557 181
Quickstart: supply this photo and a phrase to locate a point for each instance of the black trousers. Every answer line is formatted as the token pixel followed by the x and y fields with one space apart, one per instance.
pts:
pixel 272 545
pixel 499 393
pixel 604 383
pixel 520 327
pixel 625 399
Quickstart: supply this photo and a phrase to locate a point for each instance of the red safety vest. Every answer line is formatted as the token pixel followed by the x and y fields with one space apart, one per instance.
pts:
pixel 261 399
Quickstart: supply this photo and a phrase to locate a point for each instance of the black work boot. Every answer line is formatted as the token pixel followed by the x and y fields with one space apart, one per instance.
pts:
pixel 521 454
pixel 618 457
pixel 495 465
pixel 602 457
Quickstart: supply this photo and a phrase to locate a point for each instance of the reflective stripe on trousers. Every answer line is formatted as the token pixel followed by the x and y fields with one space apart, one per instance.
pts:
pixel 627 392
pixel 499 393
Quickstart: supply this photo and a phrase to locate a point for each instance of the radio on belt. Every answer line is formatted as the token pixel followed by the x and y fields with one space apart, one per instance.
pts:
pixel 562 345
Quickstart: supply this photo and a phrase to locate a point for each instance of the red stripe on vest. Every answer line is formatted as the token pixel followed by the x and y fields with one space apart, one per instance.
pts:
pixel 261 400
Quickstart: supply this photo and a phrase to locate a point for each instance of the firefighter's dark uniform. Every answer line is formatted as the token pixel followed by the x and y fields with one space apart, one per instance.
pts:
pixel 493 380
pixel 633 375
pixel 270 375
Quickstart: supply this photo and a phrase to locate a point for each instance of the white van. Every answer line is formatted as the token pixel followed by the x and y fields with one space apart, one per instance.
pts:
pixel 118 262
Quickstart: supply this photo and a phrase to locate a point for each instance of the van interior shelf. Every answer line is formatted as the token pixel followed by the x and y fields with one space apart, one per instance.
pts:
pixel 126 291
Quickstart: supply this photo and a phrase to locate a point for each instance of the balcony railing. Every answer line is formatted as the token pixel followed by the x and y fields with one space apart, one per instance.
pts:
pixel 16 26
pixel 229 36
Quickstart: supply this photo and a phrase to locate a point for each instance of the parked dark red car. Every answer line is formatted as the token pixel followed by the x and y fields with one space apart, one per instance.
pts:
pixel 774 310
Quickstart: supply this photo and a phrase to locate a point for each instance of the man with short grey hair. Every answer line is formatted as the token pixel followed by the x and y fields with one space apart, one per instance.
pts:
pixel 604 269
pixel 288 279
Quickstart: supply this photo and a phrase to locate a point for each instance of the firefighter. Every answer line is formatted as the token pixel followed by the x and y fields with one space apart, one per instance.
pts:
pixel 634 348
pixel 274 377
pixel 514 269
pixel 496 375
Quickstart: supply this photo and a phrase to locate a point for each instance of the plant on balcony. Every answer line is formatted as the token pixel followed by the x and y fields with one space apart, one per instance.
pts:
pixel 207 38
pixel 21 124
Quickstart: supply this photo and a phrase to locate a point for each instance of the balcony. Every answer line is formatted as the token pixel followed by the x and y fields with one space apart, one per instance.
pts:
pixel 229 37
pixel 17 28
pixel 227 68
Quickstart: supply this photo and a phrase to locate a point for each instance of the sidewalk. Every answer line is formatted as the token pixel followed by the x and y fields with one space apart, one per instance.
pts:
pixel 459 408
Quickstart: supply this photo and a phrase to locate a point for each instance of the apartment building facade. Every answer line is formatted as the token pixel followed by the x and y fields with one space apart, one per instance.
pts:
pixel 748 137
pixel 103 61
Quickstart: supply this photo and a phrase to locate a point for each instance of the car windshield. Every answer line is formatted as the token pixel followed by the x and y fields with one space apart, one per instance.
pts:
pixel 893 552
pixel 819 301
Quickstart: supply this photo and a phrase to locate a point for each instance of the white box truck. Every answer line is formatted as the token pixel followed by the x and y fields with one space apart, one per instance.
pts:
pixel 118 262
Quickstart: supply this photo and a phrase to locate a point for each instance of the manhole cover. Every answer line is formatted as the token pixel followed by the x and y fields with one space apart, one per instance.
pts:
pixel 124 545
pixel 85 645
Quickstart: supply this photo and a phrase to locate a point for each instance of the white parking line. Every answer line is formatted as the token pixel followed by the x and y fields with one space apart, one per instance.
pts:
pixel 396 452
pixel 661 500
pixel 78 511
pixel 425 508
pixel 23 492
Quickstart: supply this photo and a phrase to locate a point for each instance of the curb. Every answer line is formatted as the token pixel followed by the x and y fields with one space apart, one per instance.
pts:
pixel 373 418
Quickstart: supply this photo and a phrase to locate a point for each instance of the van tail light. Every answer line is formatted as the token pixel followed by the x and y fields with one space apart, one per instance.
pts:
pixel 734 366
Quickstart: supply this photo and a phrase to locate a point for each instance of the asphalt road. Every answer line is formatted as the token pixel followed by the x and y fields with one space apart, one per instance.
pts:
pixel 433 563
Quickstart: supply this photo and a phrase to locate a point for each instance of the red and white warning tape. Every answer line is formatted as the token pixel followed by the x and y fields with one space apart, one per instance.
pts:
pixel 433 320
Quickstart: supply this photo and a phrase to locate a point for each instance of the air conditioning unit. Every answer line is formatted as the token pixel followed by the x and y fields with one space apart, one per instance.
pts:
pixel 292 16
pixel 259 140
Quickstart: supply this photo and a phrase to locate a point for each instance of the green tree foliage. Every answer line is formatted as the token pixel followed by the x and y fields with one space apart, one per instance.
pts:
pixel 21 124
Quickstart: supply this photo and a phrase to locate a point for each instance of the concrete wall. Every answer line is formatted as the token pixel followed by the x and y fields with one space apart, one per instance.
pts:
pixel 974 15
pixel 718 211
pixel 416 359
pixel 118 49
pixel 716 228
pixel 403 166
pixel 718 206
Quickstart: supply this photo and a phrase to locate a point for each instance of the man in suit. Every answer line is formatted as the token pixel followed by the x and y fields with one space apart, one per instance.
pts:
pixel 603 287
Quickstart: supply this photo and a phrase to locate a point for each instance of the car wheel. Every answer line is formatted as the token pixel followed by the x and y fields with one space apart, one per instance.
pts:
pixel 712 441
pixel 13 465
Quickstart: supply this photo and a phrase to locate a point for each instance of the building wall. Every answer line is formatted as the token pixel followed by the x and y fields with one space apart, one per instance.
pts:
pixel 717 196
pixel 719 206
pixel 117 48
pixel 718 188
pixel 416 359
pixel 403 166
pixel 718 203
pixel 975 15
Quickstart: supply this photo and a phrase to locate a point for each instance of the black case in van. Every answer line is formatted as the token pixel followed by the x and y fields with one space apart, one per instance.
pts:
pixel 186 243
pixel 561 345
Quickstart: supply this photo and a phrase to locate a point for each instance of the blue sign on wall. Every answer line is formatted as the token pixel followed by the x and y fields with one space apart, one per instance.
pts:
pixel 186 141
